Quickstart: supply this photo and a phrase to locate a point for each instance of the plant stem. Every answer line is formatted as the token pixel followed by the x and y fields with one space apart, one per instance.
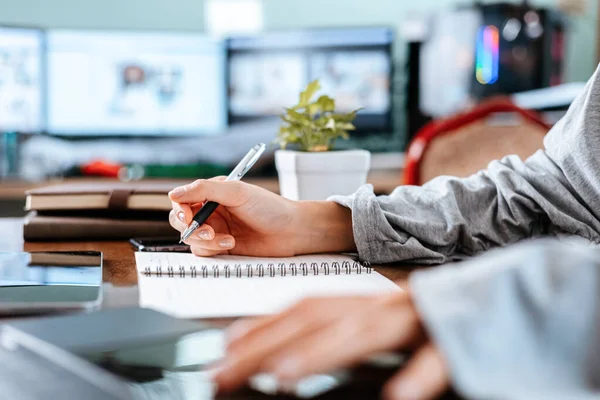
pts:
pixel 306 144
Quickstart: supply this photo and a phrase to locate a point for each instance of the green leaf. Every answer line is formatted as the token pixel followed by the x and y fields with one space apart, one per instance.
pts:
pixel 314 126
pixel 345 117
pixel 326 103
pixel 345 126
pixel 321 121
pixel 294 117
pixel 330 124
pixel 314 109
pixel 308 93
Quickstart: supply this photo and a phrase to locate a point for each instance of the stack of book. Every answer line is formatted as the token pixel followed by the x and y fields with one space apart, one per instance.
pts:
pixel 108 211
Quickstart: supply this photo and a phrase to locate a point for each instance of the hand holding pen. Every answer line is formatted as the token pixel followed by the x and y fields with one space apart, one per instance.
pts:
pixel 256 222
pixel 237 174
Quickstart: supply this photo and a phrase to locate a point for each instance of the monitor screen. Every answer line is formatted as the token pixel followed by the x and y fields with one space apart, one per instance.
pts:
pixel 21 80
pixel 267 72
pixel 133 83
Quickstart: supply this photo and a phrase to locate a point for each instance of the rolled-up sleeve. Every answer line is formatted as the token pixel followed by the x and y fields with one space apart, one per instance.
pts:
pixel 555 191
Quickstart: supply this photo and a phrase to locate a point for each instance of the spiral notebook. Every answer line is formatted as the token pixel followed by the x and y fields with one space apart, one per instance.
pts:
pixel 187 286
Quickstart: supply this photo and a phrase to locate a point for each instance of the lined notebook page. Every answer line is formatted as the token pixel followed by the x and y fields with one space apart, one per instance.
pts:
pixel 215 295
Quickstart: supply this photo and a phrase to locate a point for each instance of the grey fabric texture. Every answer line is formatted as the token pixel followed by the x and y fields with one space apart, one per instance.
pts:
pixel 517 323
pixel 555 191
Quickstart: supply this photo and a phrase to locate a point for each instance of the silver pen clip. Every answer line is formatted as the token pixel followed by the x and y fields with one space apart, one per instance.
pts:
pixel 259 150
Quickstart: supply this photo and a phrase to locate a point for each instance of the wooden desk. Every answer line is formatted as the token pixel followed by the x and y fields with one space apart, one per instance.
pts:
pixel 119 271
pixel 119 262
pixel 120 290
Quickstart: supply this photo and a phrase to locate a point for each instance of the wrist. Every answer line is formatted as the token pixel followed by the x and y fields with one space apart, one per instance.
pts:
pixel 323 227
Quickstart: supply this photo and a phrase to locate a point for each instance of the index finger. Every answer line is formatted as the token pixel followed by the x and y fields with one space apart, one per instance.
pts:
pixel 189 210
pixel 227 193
pixel 268 336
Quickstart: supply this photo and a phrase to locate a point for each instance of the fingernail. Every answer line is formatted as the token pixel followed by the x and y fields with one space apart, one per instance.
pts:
pixel 407 390
pixel 177 192
pixel 226 243
pixel 286 368
pixel 181 216
pixel 204 234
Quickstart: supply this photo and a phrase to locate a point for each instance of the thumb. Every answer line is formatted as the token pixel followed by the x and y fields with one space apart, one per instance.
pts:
pixel 228 194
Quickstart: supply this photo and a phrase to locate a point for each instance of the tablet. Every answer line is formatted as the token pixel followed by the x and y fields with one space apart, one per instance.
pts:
pixel 130 353
pixel 44 282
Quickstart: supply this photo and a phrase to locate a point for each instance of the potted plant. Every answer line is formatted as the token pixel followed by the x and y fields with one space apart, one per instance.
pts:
pixel 313 171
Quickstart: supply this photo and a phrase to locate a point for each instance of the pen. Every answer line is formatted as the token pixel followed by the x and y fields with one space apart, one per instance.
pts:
pixel 237 174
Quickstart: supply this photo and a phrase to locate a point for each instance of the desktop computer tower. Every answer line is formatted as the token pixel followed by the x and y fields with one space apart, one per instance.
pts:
pixel 518 48
pixel 469 54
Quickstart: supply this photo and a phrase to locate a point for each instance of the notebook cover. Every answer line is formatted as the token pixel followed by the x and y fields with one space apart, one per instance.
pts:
pixel 113 196
pixel 60 228
pixel 146 187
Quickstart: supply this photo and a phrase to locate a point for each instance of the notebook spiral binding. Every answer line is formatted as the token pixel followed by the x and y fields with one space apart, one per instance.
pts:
pixel 260 270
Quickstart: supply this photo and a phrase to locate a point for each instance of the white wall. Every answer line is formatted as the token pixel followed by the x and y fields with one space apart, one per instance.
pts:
pixel 105 14
pixel 188 15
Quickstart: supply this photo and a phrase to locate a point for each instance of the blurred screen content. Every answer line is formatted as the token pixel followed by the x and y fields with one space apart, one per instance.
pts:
pixel 142 83
pixel 21 80
pixel 263 84
pixel 267 72
pixel 356 79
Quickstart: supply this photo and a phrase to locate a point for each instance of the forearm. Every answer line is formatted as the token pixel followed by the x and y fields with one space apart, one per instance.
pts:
pixel 554 191
pixel 451 218
pixel 448 218
pixel 323 227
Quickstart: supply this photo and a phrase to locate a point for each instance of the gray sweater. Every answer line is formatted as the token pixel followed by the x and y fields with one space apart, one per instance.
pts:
pixel 522 322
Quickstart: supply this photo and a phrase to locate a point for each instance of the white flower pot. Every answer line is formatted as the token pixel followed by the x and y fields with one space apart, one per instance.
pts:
pixel 316 176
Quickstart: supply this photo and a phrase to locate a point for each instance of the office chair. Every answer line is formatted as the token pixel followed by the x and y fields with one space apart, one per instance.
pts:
pixel 466 143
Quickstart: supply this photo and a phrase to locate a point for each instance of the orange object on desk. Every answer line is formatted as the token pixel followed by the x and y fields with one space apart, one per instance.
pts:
pixel 101 168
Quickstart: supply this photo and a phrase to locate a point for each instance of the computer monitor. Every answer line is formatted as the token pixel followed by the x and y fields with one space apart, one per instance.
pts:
pixel 135 83
pixel 354 65
pixel 21 80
